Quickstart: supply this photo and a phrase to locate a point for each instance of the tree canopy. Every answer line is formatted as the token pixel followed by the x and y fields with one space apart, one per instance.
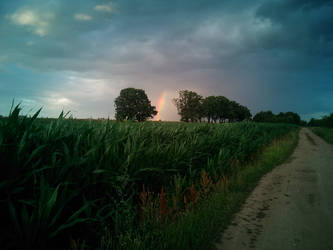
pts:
pixel 193 107
pixel 133 104
pixel 326 121
pixel 268 116
pixel 264 116
pixel 189 105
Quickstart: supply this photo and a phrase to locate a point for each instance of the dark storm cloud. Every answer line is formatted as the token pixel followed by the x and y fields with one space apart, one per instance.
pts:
pixel 303 24
pixel 264 54
pixel 156 24
pixel 303 36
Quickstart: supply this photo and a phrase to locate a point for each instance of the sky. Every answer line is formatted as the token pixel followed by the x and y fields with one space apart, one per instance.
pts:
pixel 77 55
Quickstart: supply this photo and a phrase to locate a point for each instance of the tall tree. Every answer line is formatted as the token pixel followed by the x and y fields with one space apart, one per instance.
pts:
pixel 243 113
pixel 189 105
pixel 133 104
pixel 288 117
pixel 209 108
pixel 234 111
pixel 223 108
pixel 264 116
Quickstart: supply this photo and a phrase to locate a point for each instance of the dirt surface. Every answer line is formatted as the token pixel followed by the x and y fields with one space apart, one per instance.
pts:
pixel 292 207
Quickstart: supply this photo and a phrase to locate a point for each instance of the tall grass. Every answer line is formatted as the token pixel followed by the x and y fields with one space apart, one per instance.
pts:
pixel 325 133
pixel 202 226
pixel 96 184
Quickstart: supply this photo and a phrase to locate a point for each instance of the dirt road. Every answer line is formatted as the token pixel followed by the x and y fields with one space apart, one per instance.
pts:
pixel 292 207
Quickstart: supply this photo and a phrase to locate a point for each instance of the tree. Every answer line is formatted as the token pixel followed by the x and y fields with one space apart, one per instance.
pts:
pixel 288 117
pixel 189 105
pixel 209 108
pixel 264 116
pixel 326 121
pixel 236 112
pixel 268 116
pixel 223 108
pixel 242 113
pixel 133 104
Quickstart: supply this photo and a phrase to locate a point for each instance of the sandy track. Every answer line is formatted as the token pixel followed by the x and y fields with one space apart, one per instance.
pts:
pixel 292 207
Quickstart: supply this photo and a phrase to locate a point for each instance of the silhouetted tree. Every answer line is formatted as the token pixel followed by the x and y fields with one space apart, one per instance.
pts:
pixel 238 112
pixel 288 117
pixel 192 107
pixel 223 107
pixel 189 105
pixel 264 116
pixel 326 121
pixel 133 104
pixel 209 108
pixel 243 113
pixel 268 116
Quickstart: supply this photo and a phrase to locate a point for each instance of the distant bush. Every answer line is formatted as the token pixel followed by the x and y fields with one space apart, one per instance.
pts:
pixel 325 133
pixel 288 117
pixel 326 121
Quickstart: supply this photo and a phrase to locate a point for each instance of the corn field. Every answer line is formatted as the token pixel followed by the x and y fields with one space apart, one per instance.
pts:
pixel 74 184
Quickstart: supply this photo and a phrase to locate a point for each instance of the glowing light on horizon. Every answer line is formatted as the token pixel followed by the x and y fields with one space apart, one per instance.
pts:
pixel 160 105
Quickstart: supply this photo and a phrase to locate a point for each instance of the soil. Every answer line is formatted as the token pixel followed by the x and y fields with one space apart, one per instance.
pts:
pixel 292 207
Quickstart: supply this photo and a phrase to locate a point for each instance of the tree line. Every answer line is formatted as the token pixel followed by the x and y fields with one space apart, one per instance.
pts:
pixel 288 117
pixel 326 121
pixel 133 104
pixel 193 107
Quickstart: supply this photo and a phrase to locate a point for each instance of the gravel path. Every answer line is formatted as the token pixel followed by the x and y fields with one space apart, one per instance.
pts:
pixel 292 207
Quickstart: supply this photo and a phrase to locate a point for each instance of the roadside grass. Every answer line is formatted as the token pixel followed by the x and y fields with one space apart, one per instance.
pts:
pixel 325 133
pixel 202 226
pixel 310 139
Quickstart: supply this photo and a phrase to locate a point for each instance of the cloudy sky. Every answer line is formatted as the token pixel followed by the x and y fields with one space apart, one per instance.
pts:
pixel 77 55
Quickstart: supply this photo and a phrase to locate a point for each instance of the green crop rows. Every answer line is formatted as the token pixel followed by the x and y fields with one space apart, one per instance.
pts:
pixel 66 181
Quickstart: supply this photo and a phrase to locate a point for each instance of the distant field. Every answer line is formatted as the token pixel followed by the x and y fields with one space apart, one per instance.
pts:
pixel 325 133
pixel 93 183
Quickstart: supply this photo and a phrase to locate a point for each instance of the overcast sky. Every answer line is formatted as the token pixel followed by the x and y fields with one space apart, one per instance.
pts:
pixel 78 55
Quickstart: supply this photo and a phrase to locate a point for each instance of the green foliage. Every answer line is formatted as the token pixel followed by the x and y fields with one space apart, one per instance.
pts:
pixel 133 104
pixel 66 179
pixel 264 116
pixel 210 108
pixel 193 107
pixel 325 133
pixel 326 121
pixel 201 227
pixel 188 105
pixel 288 117
pixel 238 112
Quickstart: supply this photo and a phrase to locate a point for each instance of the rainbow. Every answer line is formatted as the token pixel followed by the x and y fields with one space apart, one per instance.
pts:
pixel 160 104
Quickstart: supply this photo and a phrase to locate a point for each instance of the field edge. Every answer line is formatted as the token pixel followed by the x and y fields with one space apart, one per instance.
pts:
pixel 325 133
pixel 202 227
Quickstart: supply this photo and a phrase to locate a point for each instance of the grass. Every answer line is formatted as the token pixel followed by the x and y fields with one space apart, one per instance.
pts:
pixel 109 185
pixel 202 226
pixel 325 133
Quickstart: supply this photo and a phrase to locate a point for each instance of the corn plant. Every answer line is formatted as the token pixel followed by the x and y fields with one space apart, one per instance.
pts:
pixel 70 183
